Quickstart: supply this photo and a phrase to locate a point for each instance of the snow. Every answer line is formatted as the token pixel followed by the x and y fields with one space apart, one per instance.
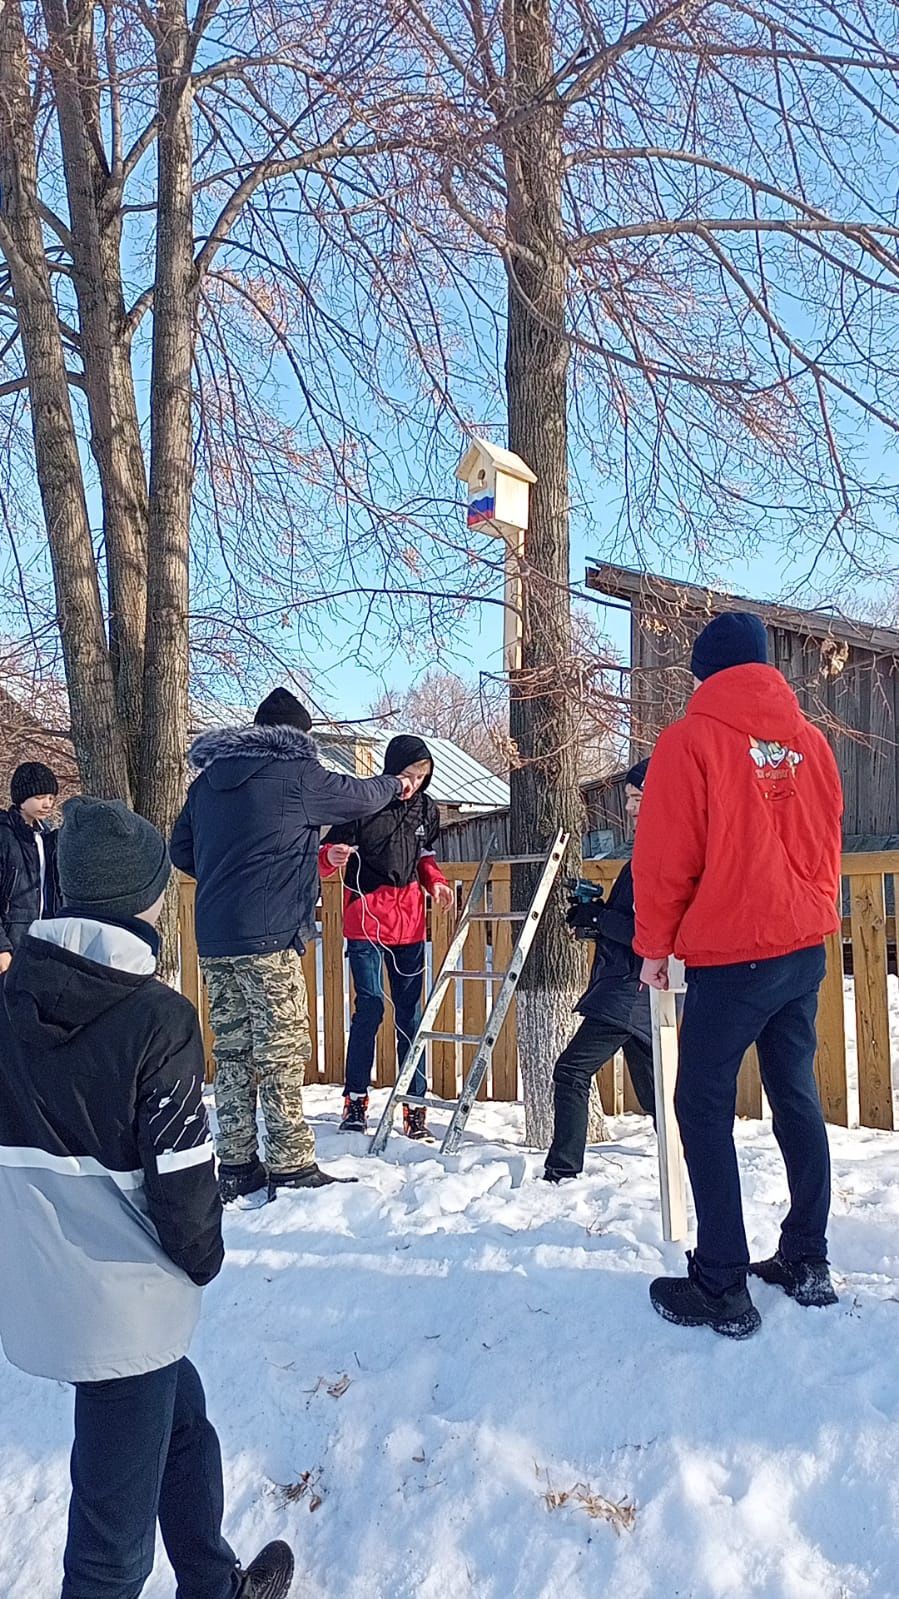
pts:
pixel 450 1348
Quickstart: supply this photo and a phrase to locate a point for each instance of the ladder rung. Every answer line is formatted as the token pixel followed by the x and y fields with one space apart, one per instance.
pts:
pixel 428 1101
pixel 482 977
pixel 499 916
pixel 453 1038
pixel 520 860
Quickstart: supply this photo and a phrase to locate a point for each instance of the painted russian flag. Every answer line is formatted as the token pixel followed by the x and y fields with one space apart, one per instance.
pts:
pixel 481 510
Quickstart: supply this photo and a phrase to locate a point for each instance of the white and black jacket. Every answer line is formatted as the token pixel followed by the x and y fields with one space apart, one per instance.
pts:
pixel 110 1220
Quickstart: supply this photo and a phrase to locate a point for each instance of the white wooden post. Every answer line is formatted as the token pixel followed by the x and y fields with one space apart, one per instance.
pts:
pixel 672 1175
pixel 513 597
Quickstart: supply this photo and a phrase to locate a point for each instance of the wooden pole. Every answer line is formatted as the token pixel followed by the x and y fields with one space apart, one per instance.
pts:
pixel 672 1175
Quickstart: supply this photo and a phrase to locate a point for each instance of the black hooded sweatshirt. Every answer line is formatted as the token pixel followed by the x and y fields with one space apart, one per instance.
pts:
pixel 395 861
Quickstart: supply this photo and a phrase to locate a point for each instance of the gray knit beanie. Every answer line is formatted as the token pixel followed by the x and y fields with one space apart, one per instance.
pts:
pixel 111 861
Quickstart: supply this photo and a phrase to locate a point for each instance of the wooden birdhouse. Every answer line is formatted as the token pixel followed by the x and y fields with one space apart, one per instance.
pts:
pixel 499 486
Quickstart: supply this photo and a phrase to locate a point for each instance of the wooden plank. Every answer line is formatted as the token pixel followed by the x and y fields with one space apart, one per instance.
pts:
pixel 474 995
pixel 310 972
pixel 187 940
pixel 443 1056
pixel 869 964
pixel 610 1086
pixel 830 1060
pixel 333 980
pixel 505 1052
pixel 749 1086
pixel 672 1173
pixel 385 1049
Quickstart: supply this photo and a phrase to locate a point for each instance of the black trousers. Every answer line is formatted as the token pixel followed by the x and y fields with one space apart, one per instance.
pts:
pixel 771 1004
pixel 594 1043
pixel 144 1450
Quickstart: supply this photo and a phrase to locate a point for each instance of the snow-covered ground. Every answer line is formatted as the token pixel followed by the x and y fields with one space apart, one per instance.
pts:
pixel 447 1381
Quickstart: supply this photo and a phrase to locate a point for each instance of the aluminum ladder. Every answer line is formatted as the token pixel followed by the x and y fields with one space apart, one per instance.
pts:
pixel 474 910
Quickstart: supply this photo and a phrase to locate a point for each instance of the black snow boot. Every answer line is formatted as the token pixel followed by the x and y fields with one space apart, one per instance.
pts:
pixel 270 1575
pixel 806 1281
pixel 415 1122
pixel 550 1176
pixel 235 1182
pixel 684 1301
pixel 354 1109
pixel 307 1177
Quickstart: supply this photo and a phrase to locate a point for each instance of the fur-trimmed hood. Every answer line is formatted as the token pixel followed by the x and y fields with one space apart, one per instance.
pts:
pixel 231 755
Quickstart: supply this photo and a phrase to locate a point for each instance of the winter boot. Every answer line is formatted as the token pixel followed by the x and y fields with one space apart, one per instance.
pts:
pixel 415 1122
pixel 684 1301
pixel 235 1182
pixel 354 1109
pixel 270 1575
pixel 806 1281
pixel 306 1177
pixel 551 1176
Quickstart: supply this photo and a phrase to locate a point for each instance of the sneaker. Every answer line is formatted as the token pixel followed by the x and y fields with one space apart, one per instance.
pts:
pixel 806 1281
pixel 306 1177
pixel 270 1575
pixel 235 1182
pixel 415 1122
pixel 354 1109
pixel 684 1301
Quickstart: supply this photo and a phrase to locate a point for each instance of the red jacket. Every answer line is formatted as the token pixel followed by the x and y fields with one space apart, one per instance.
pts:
pixel 737 851
pixel 387 915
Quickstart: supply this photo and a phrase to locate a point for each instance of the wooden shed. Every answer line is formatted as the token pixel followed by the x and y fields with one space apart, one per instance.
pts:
pixel 845 673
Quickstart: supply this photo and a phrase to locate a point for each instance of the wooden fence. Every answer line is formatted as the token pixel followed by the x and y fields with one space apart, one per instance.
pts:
pixel 856 1084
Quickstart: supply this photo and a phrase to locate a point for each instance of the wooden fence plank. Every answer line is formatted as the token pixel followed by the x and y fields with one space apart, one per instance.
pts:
pixel 333 980
pixel 443 1056
pixel 505 1051
pixel 474 995
pixel 869 965
pixel 386 1045
pixel 310 972
pixel 749 1086
pixel 830 1060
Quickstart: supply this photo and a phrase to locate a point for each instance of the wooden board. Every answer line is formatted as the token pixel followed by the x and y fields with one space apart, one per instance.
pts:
pixel 385 1049
pixel 830 1060
pixel 672 1173
pixel 474 995
pixel 443 1056
pixel 310 972
pixel 505 1051
pixel 749 1086
pixel 333 980
pixel 869 961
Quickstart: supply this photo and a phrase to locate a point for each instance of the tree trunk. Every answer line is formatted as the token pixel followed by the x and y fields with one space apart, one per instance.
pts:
pixel 96 734
pixel 165 727
pixel 106 357
pixel 544 788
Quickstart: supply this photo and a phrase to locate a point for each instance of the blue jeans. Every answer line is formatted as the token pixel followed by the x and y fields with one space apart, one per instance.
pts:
pixel 771 1004
pixel 405 969
pixel 144 1450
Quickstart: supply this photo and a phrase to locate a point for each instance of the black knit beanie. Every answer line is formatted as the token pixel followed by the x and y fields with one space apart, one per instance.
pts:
pixel 31 779
pixel 738 638
pixel 636 777
pixel 111 861
pixel 406 750
pixel 283 709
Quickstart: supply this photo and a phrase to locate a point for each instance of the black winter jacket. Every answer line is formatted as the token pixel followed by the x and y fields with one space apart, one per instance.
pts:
pixel 110 1218
pixel 20 877
pixel 249 834
pixel 614 993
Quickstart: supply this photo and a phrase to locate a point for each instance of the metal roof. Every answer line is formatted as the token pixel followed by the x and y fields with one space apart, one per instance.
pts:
pixel 459 780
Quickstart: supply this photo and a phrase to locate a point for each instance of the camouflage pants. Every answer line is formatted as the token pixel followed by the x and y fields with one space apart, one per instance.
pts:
pixel 260 1017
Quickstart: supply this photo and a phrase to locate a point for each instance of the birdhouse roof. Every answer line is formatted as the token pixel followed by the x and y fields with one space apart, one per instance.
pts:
pixel 503 460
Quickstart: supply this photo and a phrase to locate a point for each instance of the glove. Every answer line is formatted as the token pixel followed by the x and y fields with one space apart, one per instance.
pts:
pixel 584 916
